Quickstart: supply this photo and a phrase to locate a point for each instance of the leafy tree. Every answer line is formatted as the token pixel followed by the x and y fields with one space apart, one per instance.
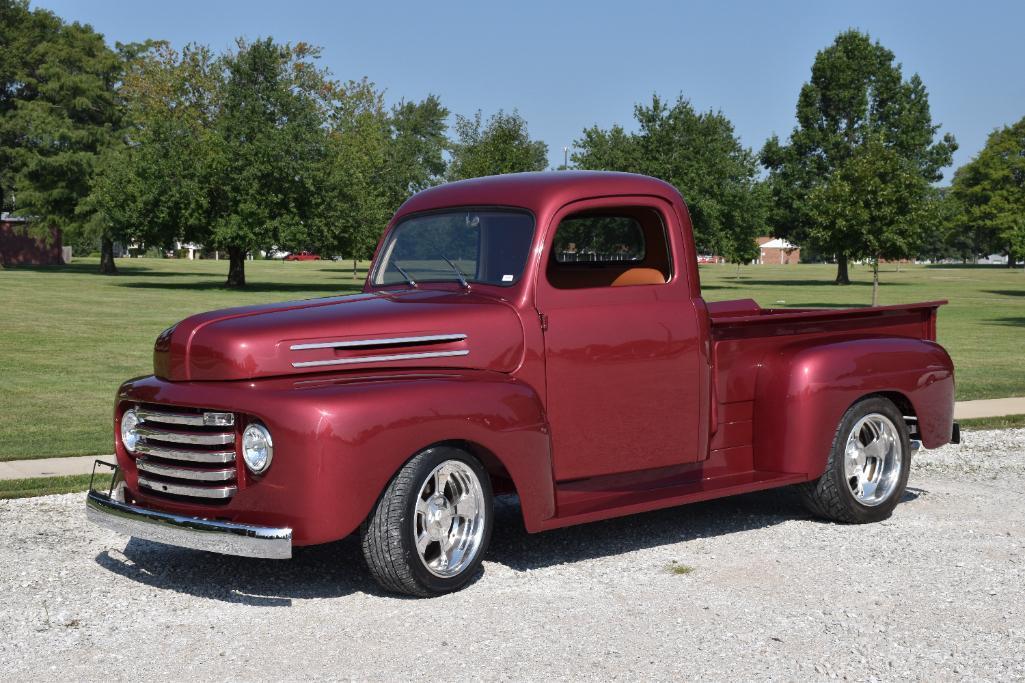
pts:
pixel 60 116
pixel 942 236
pixel 991 191
pixel 701 156
pixel 856 98
pixel 873 200
pixel 268 142
pixel 416 158
pixel 353 205
pixel 502 145
pixel 149 188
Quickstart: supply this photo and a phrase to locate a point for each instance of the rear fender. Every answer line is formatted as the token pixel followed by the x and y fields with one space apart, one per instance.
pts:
pixel 803 390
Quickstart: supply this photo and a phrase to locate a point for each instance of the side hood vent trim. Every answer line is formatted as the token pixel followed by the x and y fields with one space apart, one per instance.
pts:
pixel 374 343
pixel 380 359
pixel 385 343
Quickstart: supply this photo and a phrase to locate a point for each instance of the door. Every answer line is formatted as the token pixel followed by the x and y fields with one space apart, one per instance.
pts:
pixel 621 340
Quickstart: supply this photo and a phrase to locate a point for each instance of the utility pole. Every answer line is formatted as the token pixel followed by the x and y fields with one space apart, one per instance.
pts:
pixel 565 158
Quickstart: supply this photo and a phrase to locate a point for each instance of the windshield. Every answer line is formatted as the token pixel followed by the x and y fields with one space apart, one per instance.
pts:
pixel 488 247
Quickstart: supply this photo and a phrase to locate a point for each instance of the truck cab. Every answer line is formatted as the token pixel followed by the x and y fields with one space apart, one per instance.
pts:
pixel 538 334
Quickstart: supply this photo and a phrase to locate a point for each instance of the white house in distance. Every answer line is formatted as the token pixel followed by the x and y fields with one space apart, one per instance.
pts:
pixel 777 251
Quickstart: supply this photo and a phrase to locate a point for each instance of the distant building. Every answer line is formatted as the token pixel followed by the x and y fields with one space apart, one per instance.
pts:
pixel 773 250
pixel 19 248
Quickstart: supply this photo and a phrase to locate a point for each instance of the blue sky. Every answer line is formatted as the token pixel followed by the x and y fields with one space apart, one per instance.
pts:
pixel 569 65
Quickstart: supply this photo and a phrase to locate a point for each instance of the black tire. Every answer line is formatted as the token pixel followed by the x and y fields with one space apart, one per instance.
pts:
pixel 831 495
pixel 387 535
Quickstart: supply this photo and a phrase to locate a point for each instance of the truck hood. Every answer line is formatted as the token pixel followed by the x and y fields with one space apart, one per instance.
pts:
pixel 410 328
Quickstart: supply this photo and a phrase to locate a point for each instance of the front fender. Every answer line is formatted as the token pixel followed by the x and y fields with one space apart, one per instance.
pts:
pixel 338 441
pixel 363 439
pixel 803 390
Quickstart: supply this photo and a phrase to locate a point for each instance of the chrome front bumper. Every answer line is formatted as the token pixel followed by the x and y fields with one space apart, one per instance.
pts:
pixel 227 538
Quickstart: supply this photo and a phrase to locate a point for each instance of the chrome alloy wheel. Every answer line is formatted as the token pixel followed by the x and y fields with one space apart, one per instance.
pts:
pixel 872 460
pixel 448 523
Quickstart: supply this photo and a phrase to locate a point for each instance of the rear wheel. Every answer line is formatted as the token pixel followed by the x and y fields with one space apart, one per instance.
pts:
pixel 868 465
pixel 429 530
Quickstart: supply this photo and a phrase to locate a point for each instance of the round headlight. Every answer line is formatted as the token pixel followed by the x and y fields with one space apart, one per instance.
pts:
pixel 257 448
pixel 129 434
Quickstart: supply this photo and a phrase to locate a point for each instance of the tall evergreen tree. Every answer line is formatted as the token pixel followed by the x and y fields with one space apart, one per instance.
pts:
pixel 59 119
pixel 856 97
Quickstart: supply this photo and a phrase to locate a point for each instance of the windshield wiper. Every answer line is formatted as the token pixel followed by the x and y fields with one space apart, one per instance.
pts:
pixel 459 273
pixel 403 273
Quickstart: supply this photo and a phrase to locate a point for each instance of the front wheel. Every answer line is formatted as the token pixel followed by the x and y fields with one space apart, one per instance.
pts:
pixel 868 465
pixel 429 530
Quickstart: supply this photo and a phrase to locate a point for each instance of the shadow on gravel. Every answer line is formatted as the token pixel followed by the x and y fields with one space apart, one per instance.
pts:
pixel 327 571
pixel 515 548
pixel 336 569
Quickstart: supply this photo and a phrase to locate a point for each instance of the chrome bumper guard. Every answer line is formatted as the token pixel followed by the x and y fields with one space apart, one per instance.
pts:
pixel 109 510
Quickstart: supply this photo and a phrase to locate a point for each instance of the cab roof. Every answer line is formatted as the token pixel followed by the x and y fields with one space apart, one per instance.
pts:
pixel 538 192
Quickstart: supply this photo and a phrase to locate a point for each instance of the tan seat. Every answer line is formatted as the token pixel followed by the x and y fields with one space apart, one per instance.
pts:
pixel 639 276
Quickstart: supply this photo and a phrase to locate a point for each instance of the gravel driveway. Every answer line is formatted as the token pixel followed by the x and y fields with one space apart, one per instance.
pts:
pixel 936 592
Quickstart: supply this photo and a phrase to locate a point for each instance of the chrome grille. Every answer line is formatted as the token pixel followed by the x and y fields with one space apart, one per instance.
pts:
pixel 185 452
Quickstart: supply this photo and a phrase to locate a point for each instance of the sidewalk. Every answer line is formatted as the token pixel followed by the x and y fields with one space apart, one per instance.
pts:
pixel 50 467
pixel 57 467
pixel 990 407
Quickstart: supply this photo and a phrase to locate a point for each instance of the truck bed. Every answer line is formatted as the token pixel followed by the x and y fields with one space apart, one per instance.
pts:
pixel 744 318
pixel 745 336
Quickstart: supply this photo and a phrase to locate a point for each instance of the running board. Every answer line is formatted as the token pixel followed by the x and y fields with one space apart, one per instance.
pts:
pixel 578 502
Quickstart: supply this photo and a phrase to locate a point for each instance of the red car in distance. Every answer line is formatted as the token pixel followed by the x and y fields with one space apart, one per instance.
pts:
pixel 303 256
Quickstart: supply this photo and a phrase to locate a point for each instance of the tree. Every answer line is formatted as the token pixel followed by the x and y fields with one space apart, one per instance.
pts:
pixel 20 31
pixel 701 156
pixel 502 145
pixel 416 158
pixel 942 236
pixel 148 188
pixel 874 200
pixel 353 204
pixel 990 190
pixel 60 116
pixel 856 97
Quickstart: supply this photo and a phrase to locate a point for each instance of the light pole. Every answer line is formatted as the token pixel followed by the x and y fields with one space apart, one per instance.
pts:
pixel 565 158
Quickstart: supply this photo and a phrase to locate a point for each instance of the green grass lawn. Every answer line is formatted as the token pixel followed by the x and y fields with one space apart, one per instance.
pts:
pixel 46 486
pixel 70 336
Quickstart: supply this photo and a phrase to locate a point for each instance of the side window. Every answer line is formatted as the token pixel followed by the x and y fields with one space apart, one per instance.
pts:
pixel 610 248
pixel 598 239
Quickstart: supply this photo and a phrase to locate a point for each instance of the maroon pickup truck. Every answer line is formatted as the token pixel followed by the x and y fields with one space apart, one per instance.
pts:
pixel 541 335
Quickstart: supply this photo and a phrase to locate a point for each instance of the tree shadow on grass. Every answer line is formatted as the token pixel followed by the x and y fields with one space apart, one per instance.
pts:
pixel 1006 292
pixel 821 283
pixel 970 266
pixel 317 287
pixel 1010 322
pixel 93 269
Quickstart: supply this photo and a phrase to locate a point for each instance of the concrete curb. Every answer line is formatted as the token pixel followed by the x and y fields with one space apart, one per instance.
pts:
pixel 58 467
